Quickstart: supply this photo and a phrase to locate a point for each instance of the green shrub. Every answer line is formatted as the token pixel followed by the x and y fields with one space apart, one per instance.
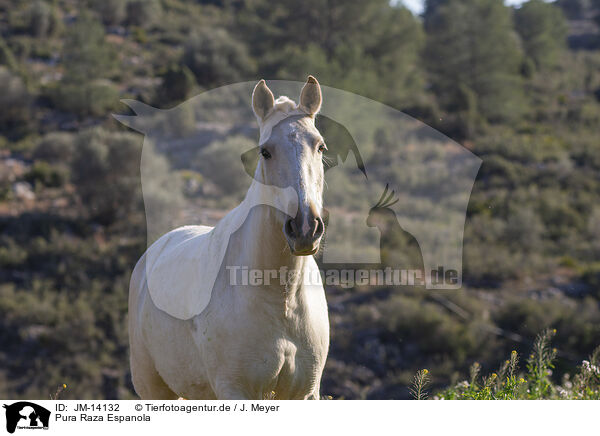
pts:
pixel 111 12
pixel 41 19
pixel 221 163
pixel 143 13
pixel 590 275
pixel 6 56
pixel 177 83
pixel 216 58
pixel 105 159
pixel 96 98
pixel 14 100
pixel 140 35
pixel 12 254
pixel 45 174
pixel 533 384
pixel 112 159
pixel 55 148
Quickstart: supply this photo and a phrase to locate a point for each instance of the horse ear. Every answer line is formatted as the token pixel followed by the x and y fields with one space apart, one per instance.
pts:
pixel 262 100
pixel 310 97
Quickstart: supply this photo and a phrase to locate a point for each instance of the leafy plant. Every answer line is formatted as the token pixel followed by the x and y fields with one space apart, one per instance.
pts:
pixel 535 384
pixel 420 382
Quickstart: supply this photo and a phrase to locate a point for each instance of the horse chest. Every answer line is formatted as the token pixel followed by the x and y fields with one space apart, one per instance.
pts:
pixel 283 358
pixel 289 369
pixel 268 348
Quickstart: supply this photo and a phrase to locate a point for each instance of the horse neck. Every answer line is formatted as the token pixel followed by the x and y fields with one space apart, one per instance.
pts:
pixel 260 243
pixel 266 246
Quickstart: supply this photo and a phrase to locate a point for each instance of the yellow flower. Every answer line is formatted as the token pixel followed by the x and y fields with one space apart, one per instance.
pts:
pixel 522 380
pixel 425 371
pixel 513 352
pixel 494 375
pixel 554 331
pixel 64 386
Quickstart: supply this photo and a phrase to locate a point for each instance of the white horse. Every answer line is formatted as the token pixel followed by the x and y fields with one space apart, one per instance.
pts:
pixel 196 334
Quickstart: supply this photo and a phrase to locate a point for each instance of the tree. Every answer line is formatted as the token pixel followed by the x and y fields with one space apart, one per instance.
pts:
pixel 574 9
pixel 216 58
pixel 471 48
pixel 143 13
pixel 111 12
pixel 108 159
pixel 177 83
pixel 14 100
pixel 105 159
pixel 42 20
pixel 221 163
pixel 370 47
pixel 86 55
pixel 87 59
pixel 56 148
pixel 543 30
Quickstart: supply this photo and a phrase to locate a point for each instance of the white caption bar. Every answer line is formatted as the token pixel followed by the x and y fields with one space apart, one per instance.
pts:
pixel 297 417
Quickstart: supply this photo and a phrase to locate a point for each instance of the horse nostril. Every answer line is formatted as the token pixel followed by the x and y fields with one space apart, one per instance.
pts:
pixel 290 227
pixel 320 228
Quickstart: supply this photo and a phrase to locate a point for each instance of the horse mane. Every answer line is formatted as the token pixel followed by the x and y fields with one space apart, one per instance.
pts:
pixel 284 104
pixel 283 108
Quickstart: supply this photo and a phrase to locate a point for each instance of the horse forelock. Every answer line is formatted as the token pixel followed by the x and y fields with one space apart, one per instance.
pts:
pixel 284 107
pixel 284 104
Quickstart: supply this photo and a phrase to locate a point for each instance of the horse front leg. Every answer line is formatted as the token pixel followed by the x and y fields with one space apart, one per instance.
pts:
pixel 315 395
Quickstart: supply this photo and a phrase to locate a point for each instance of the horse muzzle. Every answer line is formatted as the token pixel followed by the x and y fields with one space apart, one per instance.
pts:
pixel 304 233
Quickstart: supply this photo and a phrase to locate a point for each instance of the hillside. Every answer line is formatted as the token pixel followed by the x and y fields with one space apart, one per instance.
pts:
pixel 520 88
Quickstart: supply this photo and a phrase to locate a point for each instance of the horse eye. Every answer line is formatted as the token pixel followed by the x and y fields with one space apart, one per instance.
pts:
pixel 265 153
pixel 322 148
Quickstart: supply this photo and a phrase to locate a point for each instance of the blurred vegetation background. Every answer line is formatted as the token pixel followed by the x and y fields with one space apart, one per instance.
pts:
pixel 518 86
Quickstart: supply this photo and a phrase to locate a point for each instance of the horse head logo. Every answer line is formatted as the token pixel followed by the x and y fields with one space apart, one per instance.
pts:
pixel 432 174
pixel 25 414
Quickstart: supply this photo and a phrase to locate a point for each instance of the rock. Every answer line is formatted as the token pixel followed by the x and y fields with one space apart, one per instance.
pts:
pixel 23 191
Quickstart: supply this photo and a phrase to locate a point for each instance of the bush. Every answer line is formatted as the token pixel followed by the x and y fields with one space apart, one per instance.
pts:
pixel 111 12
pixel 216 58
pixel 42 20
pixel 96 98
pixel 14 100
pixel 107 159
pixel 590 275
pixel 86 55
pixel 7 57
pixel 143 13
pixel 177 83
pixel 543 31
pixel 221 163
pixel 55 148
pixel 533 384
pixel 42 173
